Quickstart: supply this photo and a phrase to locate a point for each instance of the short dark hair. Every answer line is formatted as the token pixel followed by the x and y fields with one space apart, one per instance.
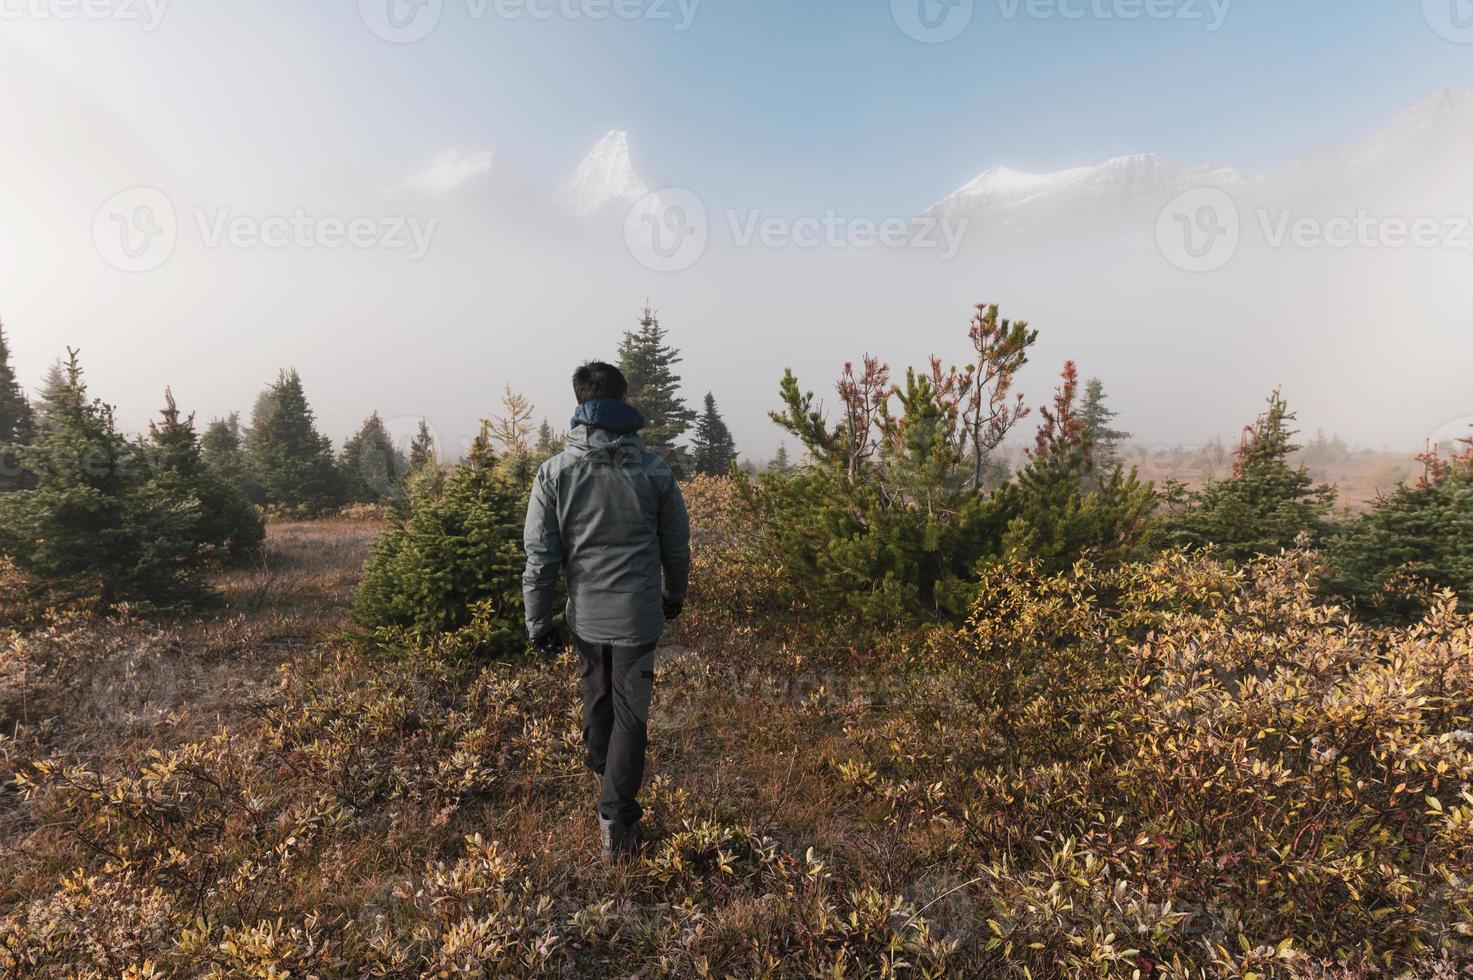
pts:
pixel 596 381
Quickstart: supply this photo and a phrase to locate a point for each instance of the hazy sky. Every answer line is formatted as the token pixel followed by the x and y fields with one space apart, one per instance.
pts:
pixel 800 103
pixel 791 106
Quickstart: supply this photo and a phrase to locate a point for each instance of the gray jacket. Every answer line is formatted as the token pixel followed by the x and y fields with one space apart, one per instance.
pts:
pixel 609 515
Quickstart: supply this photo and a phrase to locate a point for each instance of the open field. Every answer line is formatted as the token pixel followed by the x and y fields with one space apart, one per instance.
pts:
pixel 1359 476
pixel 1250 791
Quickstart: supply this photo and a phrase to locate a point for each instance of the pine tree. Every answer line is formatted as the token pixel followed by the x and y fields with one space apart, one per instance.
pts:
pixel 372 467
pixel 712 448
pixel 448 569
pixel 15 410
pixel 223 449
pixel 16 421
pixel 228 526
pixel 780 462
pixel 512 431
pixel 1103 440
pixel 1266 505
pixel 423 455
pixel 1419 535
pixel 290 462
pixel 52 389
pixel 888 518
pixel 96 524
pixel 549 443
pixel 654 387
pixel 1063 507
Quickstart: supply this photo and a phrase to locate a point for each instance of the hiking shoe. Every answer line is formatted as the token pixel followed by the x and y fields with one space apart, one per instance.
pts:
pixel 618 840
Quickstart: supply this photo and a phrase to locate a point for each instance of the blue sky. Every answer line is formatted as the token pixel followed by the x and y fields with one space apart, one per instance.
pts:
pixel 792 103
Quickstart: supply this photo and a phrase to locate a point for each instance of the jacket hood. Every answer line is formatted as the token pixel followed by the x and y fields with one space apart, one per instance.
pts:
pixel 610 416
pixel 604 446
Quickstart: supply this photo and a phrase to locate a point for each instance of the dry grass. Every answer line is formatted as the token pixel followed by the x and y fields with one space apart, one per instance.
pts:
pixel 243 794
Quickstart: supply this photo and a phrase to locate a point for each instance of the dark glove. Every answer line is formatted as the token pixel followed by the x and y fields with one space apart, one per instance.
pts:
pixel 673 607
pixel 548 643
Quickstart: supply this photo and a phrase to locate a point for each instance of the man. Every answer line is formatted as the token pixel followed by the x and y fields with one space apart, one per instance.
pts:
pixel 608 514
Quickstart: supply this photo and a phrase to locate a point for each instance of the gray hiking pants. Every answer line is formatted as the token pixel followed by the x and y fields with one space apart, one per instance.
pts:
pixel 616 684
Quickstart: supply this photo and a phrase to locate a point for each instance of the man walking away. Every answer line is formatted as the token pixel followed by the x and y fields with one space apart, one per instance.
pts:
pixel 608 514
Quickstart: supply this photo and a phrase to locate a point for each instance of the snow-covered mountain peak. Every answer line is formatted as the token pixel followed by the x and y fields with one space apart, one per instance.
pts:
pixel 605 176
pixel 1119 180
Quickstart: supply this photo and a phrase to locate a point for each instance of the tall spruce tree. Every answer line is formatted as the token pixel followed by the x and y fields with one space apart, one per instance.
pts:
pixel 16 421
pixel 1266 504
pixel 1098 418
pixel 712 448
pixel 372 467
pixel 654 387
pixel 292 465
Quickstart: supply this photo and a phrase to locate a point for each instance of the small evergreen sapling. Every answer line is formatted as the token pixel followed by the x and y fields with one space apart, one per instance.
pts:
pixel 447 571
